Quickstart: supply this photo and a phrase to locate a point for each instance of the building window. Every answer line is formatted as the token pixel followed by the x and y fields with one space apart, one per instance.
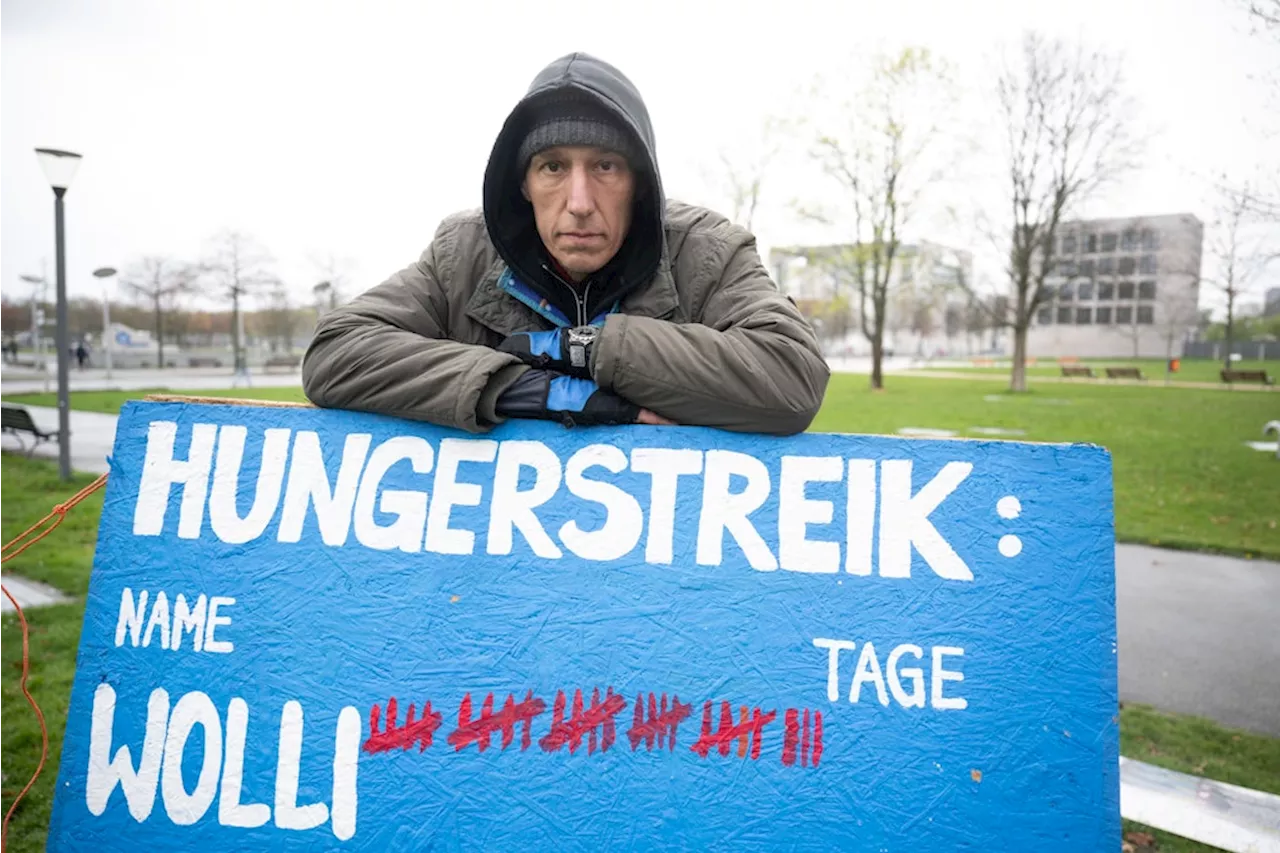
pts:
pixel 1150 240
pixel 1124 314
pixel 1065 292
pixel 1067 268
pixel 1086 268
pixel 1127 266
pixel 1146 290
pixel 1044 316
pixel 1146 315
pixel 1069 245
pixel 1147 264
pixel 1126 290
pixel 1084 316
pixel 1064 316
pixel 1108 242
pixel 1129 241
pixel 1104 315
pixel 1106 266
pixel 1091 243
pixel 1106 290
pixel 1085 290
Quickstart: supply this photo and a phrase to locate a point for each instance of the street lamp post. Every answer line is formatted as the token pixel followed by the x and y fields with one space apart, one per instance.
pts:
pixel 105 273
pixel 60 167
pixel 37 300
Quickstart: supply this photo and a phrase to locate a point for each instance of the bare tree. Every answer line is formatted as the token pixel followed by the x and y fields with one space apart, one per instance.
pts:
pixel 742 174
pixel 160 282
pixel 1238 258
pixel 238 266
pixel 878 160
pixel 1066 134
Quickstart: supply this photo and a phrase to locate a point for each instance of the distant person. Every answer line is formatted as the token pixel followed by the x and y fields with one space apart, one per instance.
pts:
pixel 82 354
pixel 579 294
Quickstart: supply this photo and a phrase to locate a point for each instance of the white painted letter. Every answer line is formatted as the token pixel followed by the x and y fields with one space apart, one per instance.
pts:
pixel 346 755
pixel 230 810
pixel 940 702
pixel 224 516
pixel 512 508
pixel 160 471
pixel 410 508
pixel 833 648
pixel 914 699
pixel 188 620
pixel 213 621
pixel 723 510
pixel 796 553
pixel 904 521
pixel 868 670
pixel 309 483
pixel 664 466
pixel 130 618
pixel 159 618
pixel 104 771
pixel 623 521
pixel 447 493
pixel 290 815
pixel 860 518
pixel 185 809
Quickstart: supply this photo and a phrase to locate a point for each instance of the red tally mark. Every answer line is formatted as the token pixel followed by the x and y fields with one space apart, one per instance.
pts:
pixel 747 731
pixel 480 730
pixel 596 717
pixel 661 722
pixel 801 734
pixel 392 737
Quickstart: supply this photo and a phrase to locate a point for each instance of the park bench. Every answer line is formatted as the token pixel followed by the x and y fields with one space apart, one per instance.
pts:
pixel 1259 376
pixel 17 422
pixel 1069 370
pixel 204 361
pixel 288 362
pixel 1124 373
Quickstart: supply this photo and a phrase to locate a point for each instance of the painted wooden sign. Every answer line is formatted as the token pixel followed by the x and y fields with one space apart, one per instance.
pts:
pixel 313 629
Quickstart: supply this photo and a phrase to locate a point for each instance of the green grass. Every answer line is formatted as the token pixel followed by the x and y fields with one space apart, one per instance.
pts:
pixel 111 402
pixel 1190 369
pixel 1183 475
pixel 1202 748
pixel 30 487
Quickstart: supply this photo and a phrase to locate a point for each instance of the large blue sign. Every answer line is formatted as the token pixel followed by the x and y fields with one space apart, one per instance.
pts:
pixel 325 630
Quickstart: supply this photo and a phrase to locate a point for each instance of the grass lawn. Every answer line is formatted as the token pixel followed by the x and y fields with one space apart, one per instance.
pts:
pixel 1190 369
pixel 1183 475
pixel 1186 744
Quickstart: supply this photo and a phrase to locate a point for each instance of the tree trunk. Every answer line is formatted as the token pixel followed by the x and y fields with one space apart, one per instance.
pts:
pixel 159 324
pixel 1018 376
pixel 235 329
pixel 877 354
pixel 1230 331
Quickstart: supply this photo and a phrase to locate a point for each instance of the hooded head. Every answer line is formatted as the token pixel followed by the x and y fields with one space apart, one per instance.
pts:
pixel 572 195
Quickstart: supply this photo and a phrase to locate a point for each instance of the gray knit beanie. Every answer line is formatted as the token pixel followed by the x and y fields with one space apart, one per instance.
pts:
pixel 573 118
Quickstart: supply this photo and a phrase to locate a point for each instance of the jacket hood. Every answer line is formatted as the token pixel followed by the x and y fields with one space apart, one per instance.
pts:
pixel 509 216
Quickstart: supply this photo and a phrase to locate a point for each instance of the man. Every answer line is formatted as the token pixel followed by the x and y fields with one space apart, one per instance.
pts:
pixel 580 295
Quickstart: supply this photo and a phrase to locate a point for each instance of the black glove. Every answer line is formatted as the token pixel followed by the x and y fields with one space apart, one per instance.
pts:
pixel 566 351
pixel 546 395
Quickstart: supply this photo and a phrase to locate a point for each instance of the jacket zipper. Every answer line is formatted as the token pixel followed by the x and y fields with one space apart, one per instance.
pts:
pixel 579 301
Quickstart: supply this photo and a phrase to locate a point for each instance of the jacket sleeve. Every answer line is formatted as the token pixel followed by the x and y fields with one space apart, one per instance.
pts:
pixel 751 362
pixel 388 351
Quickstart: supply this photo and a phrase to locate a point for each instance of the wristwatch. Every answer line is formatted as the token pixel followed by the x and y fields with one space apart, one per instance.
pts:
pixel 581 338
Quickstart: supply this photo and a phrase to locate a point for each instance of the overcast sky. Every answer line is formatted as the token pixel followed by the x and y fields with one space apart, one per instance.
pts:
pixel 351 128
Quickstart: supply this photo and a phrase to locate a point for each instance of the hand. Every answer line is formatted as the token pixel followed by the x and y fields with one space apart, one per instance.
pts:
pixel 546 395
pixel 653 419
pixel 566 351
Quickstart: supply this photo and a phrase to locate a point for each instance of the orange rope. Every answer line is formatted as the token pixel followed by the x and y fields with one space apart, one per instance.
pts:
pixel 7 553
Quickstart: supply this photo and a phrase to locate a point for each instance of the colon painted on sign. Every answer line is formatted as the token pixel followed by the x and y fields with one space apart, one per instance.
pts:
pixel 160 758
pixel 292 483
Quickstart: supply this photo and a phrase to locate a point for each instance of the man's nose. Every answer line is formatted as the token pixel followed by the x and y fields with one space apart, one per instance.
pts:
pixel 581 203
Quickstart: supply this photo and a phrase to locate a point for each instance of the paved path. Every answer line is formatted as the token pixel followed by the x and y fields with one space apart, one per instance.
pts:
pixel 1197 631
pixel 1198 635
pixel 22 381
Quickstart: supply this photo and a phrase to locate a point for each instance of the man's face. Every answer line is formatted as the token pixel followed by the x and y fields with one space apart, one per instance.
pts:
pixel 582 205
